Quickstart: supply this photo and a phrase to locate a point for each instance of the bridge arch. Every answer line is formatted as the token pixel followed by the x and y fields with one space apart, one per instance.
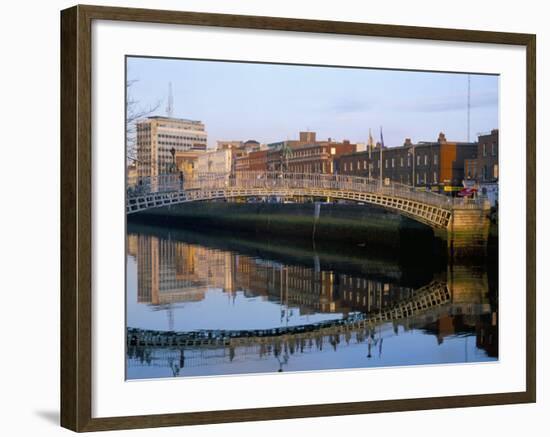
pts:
pixel 432 209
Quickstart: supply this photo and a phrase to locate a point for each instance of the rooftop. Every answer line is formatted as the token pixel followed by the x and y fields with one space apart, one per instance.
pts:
pixel 164 118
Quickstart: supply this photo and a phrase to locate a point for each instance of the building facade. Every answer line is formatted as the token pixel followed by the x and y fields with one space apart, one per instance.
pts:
pixel 487 157
pixel 157 137
pixel 187 162
pixel 307 155
pixel 214 161
pixel 437 165
pixel 252 161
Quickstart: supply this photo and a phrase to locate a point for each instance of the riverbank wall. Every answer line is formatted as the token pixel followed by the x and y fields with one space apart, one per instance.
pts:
pixel 363 225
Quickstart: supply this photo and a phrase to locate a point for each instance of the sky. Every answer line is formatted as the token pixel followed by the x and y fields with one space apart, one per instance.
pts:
pixel 273 102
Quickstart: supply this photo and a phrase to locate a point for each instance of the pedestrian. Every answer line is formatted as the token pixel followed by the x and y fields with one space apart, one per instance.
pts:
pixel 181 180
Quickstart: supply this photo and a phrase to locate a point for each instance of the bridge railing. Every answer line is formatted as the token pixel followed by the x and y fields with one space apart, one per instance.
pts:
pixel 244 180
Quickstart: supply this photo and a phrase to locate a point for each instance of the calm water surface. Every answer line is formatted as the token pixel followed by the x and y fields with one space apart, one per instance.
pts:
pixel 183 281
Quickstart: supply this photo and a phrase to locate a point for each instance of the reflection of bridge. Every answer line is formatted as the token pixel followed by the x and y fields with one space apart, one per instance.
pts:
pixel 436 210
pixel 430 296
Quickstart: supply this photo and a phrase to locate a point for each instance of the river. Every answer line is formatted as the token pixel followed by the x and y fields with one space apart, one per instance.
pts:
pixel 201 281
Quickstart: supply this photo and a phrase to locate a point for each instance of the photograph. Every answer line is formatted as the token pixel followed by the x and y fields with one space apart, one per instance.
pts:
pixel 303 218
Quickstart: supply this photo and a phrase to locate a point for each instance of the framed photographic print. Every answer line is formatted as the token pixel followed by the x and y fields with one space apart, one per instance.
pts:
pixel 339 216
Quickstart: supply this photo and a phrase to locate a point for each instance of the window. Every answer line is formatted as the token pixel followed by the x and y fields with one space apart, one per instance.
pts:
pixel 425 159
pixel 345 167
pixel 435 177
pixel 392 162
pixel 417 178
pixel 418 160
pixel 435 159
pixel 351 166
pixel 408 160
pixel 401 161
pixel 484 149
pixel 494 149
pixel 495 171
pixel 364 165
pixel 386 163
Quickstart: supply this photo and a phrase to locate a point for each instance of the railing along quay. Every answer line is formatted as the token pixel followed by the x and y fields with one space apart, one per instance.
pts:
pixel 434 209
pixel 270 180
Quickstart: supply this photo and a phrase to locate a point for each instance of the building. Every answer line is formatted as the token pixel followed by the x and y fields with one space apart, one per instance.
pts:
pixel 438 165
pixel 239 152
pixel 215 161
pixel 487 157
pixel 229 145
pixel 159 139
pixel 482 172
pixel 131 175
pixel 470 169
pixel 252 161
pixel 306 155
pixel 186 162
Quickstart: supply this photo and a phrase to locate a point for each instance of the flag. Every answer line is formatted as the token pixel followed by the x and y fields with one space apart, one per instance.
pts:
pixel 371 143
pixel 371 139
pixel 381 138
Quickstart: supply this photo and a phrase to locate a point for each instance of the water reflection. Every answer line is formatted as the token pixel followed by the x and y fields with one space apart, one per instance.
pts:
pixel 333 307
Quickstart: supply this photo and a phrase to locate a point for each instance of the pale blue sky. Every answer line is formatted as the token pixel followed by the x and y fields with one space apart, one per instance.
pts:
pixel 268 103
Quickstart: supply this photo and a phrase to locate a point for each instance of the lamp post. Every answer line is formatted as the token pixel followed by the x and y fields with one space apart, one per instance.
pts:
pixel 173 153
pixel 414 165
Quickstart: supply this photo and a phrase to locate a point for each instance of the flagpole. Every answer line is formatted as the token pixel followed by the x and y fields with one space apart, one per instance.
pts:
pixel 381 147
pixel 371 145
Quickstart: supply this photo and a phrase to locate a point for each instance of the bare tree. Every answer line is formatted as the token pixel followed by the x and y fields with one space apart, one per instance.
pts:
pixel 134 112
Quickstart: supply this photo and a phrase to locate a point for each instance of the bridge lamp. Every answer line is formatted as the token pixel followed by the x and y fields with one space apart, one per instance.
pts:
pixel 173 153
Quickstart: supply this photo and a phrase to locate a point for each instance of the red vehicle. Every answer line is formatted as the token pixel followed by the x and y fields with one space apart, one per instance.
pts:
pixel 467 192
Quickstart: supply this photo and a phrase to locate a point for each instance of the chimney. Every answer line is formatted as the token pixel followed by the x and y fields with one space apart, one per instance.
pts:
pixel 441 138
pixel 407 142
pixel 307 137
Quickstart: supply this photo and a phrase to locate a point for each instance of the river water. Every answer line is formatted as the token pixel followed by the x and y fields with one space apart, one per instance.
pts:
pixel 191 281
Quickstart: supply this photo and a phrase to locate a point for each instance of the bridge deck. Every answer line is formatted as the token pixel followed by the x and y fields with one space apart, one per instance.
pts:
pixel 430 208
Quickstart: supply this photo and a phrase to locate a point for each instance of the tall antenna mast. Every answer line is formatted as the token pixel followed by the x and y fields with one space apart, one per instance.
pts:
pixel 170 104
pixel 469 106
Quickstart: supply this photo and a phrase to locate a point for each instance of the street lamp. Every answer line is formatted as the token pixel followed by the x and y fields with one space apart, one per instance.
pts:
pixel 173 153
pixel 414 163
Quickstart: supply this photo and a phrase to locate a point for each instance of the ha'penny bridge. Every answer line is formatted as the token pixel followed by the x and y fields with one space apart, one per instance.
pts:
pixel 462 221
pixel 431 296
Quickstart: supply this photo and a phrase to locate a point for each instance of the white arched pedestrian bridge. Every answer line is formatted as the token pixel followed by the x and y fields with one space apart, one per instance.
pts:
pixel 433 209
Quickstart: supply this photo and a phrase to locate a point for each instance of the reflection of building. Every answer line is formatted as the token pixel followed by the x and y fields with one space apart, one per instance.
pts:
pixel 157 136
pixel 132 244
pixel 173 271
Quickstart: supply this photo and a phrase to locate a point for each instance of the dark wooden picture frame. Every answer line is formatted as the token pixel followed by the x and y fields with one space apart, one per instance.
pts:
pixel 76 217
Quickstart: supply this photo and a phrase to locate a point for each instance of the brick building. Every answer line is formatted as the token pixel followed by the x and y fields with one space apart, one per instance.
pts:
pixel 252 161
pixel 487 157
pixel 436 164
pixel 306 155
